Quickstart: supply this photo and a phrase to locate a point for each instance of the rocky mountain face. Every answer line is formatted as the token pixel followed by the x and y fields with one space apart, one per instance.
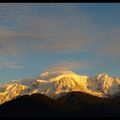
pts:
pixel 10 91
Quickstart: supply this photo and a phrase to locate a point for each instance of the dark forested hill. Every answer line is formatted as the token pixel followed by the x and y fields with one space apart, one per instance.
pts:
pixel 74 104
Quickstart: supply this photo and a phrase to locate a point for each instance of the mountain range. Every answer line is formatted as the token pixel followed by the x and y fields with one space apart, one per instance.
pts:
pixel 61 93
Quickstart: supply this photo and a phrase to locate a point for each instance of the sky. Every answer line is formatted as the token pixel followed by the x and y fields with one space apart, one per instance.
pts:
pixel 82 37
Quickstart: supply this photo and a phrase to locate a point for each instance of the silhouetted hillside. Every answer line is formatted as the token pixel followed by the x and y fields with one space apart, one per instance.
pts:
pixel 34 105
pixel 81 104
pixel 74 104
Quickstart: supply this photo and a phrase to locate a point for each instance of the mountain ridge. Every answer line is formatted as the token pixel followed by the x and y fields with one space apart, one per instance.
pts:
pixel 55 84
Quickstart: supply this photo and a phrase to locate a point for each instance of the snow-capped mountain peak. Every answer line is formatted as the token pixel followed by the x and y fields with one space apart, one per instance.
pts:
pixel 47 75
pixel 105 83
pixel 102 75
pixel 53 83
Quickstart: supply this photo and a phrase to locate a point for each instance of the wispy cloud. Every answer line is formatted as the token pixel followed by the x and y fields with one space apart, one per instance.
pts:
pixel 35 31
pixel 7 64
pixel 109 43
pixel 45 33
pixel 111 49
pixel 39 31
pixel 70 65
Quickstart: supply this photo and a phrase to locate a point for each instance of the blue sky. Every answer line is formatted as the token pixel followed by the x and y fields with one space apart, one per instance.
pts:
pixel 82 37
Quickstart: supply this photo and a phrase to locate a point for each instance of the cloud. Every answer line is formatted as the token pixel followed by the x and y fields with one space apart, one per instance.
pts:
pixel 7 64
pixel 58 28
pixel 112 49
pixel 69 65
pixel 110 45
pixel 9 45
pixel 39 32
